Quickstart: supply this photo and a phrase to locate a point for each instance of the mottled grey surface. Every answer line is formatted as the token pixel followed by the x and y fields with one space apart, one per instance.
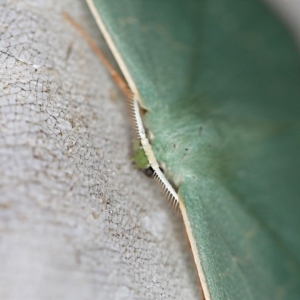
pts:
pixel 76 220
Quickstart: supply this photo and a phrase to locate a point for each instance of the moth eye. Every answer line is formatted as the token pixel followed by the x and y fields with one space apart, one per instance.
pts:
pixel 148 171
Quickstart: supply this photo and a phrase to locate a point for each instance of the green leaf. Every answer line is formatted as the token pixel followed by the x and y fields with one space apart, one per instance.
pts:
pixel 220 80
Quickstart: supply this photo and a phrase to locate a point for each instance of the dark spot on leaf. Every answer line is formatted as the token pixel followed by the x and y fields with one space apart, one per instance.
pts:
pixel 200 130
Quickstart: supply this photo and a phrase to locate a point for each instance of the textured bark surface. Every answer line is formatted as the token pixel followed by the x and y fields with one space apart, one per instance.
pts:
pixel 76 220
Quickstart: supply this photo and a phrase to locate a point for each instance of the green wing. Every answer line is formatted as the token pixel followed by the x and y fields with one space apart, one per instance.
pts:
pixel 221 82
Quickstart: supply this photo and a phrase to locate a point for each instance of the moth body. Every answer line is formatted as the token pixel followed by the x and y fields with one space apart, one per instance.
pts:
pixel 160 177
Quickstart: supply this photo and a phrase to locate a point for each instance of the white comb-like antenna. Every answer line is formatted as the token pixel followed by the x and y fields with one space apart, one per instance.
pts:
pixel 167 189
pixel 139 127
pixel 160 177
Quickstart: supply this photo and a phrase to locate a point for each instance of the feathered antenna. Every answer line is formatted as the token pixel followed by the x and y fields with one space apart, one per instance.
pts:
pixel 167 190
pixel 160 177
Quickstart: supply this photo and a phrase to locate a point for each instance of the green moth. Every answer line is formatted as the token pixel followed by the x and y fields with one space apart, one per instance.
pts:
pixel 220 81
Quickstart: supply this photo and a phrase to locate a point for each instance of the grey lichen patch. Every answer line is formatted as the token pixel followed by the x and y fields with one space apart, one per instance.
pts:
pixel 76 220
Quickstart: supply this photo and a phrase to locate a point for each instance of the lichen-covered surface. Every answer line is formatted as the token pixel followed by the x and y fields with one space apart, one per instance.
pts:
pixel 77 221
